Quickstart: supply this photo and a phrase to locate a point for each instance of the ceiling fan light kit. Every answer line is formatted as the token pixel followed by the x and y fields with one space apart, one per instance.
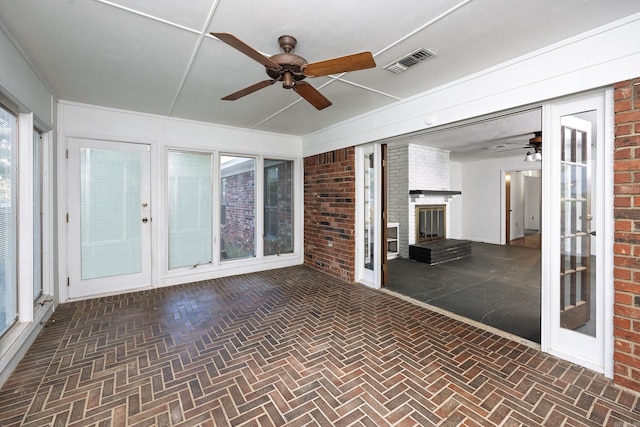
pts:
pixel 536 144
pixel 291 69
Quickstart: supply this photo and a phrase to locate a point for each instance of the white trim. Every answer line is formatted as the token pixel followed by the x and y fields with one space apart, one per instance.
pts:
pixel 585 350
pixel 608 229
pixel 24 213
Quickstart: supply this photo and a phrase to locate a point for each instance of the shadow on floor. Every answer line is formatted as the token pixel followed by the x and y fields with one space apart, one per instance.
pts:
pixel 498 286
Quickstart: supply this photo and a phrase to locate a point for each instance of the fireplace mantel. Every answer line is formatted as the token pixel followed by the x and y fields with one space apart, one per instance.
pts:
pixel 446 193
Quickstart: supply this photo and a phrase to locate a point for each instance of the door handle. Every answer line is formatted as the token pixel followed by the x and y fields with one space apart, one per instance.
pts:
pixel 145 220
pixel 593 233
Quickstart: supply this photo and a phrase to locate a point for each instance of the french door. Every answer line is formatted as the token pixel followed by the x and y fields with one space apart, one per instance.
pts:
pixel 369 252
pixel 579 277
pixel 109 217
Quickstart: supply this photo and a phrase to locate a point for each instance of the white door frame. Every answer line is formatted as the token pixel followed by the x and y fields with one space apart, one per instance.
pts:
pixel 563 343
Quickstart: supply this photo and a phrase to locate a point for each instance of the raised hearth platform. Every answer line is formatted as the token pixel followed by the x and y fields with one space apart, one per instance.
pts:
pixel 438 251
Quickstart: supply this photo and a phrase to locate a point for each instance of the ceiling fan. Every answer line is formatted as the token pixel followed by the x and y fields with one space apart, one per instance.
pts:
pixel 534 144
pixel 291 69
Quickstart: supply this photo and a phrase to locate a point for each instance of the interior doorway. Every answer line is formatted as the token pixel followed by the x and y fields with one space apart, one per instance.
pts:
pixel 523 207
pixel 498 211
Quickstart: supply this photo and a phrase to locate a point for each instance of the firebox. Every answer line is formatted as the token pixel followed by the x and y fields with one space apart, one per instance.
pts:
pixel 430 223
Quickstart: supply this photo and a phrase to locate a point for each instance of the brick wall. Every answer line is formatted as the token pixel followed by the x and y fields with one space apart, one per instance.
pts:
pixel 329 212
pixel 237 230
pixel 398 193
pixel 627 234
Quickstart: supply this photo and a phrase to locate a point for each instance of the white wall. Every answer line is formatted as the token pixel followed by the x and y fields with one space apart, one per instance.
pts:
pixel 482 197
pixel 162 133
pixel 19 81
pixel 454 215
pixel 532 200
pixel 516 229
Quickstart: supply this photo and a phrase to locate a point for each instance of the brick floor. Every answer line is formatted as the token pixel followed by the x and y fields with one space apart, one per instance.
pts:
pixel 291 347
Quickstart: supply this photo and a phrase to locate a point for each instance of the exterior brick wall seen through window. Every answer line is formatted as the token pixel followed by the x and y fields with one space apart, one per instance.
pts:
pixel 237 228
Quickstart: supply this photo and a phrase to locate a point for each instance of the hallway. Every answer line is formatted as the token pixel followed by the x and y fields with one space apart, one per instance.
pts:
pixel 291 347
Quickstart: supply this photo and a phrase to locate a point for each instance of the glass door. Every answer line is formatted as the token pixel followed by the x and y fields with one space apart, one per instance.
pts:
pixel 369 265
pixel 577 280
pixel 109 217
pixel 577 263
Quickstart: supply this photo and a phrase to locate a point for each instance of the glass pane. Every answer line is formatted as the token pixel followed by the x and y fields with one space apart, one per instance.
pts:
pixel 110 213
pixel 238 211
pixel 278 207
pixel 190 190
pixel 37 215
pixel 8 244
pixel 369 220
pixel 577 245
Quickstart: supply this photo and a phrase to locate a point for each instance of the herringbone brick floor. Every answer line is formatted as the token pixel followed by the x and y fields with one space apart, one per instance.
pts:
pixel 291 347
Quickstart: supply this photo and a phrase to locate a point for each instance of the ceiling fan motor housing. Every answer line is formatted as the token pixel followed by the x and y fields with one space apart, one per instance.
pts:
pixel 291 64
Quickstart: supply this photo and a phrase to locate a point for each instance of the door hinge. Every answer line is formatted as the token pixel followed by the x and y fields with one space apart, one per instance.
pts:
pixel 384 163
pixel 384 267
pixel 384 216
pixel 67 217
pixel 66 154
pixel 68 282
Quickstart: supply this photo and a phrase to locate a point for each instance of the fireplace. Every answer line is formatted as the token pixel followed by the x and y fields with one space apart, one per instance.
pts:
pixel 430 223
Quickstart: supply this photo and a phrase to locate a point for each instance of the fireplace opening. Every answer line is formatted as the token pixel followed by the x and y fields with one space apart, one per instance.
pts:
pixel 430 223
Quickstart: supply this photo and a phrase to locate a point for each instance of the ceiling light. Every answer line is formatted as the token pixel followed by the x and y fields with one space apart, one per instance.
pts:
pixel 536 144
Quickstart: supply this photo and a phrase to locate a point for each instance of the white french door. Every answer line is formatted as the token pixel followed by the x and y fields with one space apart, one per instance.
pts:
pixel 368 212
pixel 109 217
pixel 578 278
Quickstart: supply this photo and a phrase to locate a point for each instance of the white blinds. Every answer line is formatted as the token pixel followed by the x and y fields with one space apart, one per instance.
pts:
pixel 8 207
pixel 190 195
pixel 110 213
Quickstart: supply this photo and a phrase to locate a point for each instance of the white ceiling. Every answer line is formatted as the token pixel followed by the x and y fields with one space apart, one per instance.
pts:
pixel 157 56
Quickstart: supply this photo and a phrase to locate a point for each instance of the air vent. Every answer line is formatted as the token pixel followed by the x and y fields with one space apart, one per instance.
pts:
pixel 407 61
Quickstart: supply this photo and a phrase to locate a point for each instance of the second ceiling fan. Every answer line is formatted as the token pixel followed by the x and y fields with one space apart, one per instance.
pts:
pixel 291 69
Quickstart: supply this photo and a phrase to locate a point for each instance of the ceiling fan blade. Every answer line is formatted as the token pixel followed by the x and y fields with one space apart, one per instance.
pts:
pixel 238 44
pixel 524 147
pixel 248 90
pixel 312 95
pixel 343 64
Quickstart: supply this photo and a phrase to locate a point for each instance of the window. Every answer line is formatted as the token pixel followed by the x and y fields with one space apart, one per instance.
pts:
pixel 190 196
pixel 8 211
pixel 278 207
pixel 238 212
